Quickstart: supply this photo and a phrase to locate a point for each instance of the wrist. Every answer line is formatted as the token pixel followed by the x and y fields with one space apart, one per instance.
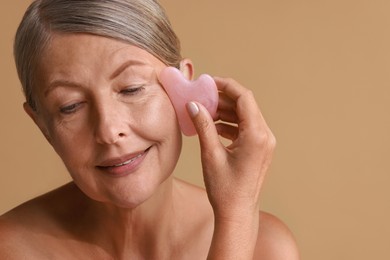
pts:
pixel 234 237
pixel 238 215
pixel 237 221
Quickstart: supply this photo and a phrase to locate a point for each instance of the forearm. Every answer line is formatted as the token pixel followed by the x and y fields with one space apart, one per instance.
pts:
pixel 234 239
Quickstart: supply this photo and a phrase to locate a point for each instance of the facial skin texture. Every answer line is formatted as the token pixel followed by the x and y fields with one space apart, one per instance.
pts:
pixel 101 107
pixel 100 104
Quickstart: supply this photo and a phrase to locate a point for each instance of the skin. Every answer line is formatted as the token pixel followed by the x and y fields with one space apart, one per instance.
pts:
pixel 99 105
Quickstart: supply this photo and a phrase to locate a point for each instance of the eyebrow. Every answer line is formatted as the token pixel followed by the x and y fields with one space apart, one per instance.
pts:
pixel 125 65
pixel 60 82
pixel 118 71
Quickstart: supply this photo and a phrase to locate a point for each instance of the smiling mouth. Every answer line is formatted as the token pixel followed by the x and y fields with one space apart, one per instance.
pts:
pixel 129 161
pixel 120 162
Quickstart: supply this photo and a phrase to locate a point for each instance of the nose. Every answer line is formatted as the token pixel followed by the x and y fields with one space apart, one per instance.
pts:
pixel 110 124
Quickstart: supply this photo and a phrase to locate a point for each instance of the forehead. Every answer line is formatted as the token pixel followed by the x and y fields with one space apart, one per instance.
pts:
pixel 72 53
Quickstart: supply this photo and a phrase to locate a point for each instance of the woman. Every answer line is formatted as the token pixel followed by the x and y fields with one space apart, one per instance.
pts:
pixel 89 70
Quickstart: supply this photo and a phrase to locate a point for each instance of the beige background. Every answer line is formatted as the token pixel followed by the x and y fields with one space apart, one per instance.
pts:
pixel 321 74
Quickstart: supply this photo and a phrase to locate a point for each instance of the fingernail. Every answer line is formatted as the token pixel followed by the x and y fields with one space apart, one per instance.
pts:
pixel 192 109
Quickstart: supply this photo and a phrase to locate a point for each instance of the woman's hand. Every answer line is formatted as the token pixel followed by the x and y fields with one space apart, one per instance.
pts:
pixel 234 174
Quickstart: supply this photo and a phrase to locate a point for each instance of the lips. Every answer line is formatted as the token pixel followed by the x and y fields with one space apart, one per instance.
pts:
pixel 128 161
pixel 124 164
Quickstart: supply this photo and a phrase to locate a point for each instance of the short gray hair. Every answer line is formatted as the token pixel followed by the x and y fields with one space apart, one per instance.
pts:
pixel 142 23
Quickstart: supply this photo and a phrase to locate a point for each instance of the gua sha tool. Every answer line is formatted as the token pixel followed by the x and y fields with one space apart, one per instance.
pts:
pixel 181 91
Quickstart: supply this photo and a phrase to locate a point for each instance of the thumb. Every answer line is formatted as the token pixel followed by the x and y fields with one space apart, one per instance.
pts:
pixel 204 125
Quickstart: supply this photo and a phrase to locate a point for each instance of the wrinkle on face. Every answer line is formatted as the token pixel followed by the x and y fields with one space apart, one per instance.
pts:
pixel 96 73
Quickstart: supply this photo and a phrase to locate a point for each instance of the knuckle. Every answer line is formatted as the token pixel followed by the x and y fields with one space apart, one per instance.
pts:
pixel 231 81
pixel 248 95
pixel 248 92
pixel 266 139
pixel 272 141
pixel 261 138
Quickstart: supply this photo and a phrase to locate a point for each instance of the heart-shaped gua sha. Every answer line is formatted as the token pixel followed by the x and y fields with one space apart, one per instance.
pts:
pixel 181 91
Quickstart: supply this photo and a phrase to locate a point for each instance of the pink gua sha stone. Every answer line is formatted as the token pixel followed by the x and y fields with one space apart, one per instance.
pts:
pixel 181 91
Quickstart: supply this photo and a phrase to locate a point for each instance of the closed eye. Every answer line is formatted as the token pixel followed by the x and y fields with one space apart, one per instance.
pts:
pixel 132 90
pixel 69 109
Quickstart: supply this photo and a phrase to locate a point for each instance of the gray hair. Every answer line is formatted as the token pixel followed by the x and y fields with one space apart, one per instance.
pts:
pixel 142 23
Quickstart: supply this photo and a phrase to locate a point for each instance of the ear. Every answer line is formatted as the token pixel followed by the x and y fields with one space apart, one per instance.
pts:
pixel 37 120
pixel 187 68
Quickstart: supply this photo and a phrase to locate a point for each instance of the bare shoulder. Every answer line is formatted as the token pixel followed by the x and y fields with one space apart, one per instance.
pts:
pixel 27 229
pixel 275 240
pixel 17 237
pixel 10 240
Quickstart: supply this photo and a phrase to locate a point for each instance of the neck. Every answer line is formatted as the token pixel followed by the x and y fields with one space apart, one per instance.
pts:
pixel 142 231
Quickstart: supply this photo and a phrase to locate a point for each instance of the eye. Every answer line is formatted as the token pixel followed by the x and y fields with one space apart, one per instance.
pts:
pixel 69 109
pixel 132 90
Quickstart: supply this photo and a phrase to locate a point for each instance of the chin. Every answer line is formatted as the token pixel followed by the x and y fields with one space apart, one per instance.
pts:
pixel 132 199
pixel 131 193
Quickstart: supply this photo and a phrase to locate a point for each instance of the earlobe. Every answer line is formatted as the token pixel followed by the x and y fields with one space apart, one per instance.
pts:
pixel 37 120
pixel 187 68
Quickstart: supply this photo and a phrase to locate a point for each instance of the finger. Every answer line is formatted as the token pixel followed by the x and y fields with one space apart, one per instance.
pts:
pixel 247 110
pixel 226 109
pixel 227 116
pixel 229 87
pixel 227 131
pixel 205 127
pixel 225 102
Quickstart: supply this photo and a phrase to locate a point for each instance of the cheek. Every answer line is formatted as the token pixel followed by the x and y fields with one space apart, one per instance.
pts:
pixel 68 139
pixel 158 116
pixel 151 118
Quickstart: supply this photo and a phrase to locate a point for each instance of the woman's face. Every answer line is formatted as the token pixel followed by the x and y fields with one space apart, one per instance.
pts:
pixel 103 110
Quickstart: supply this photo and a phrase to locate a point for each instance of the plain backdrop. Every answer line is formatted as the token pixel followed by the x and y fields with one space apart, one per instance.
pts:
pixel 320 73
